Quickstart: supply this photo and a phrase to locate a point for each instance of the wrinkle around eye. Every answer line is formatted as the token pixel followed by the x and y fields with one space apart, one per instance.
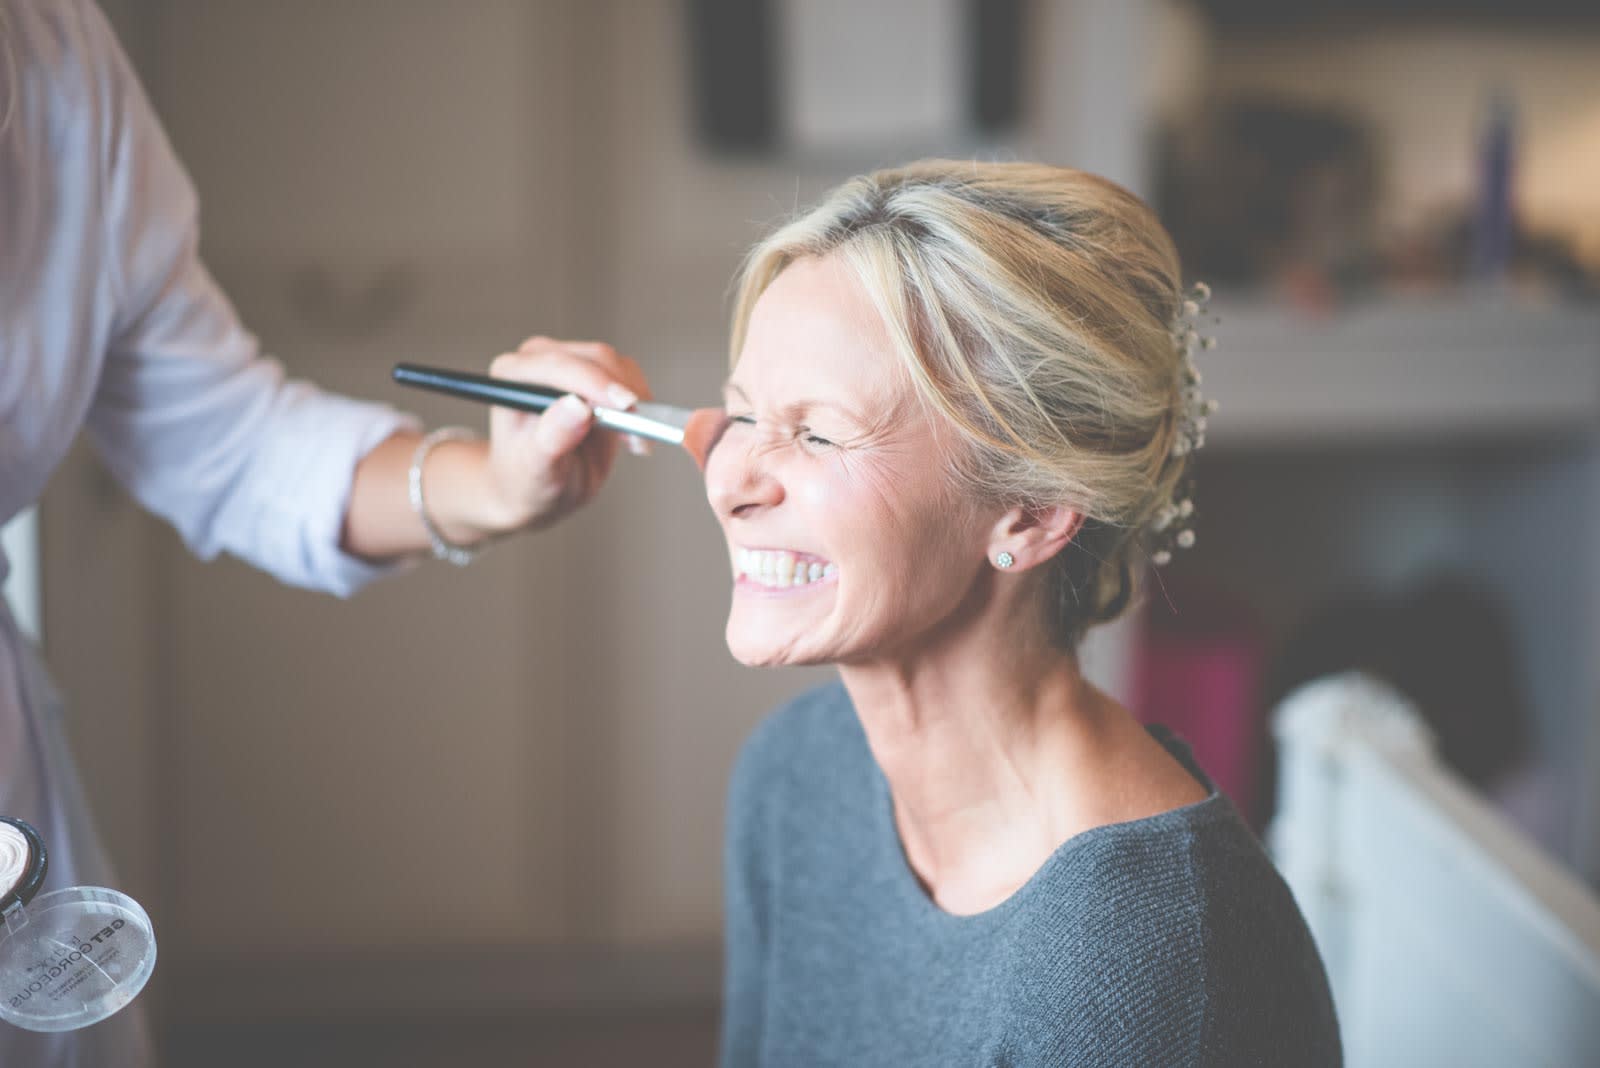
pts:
pixel 802 434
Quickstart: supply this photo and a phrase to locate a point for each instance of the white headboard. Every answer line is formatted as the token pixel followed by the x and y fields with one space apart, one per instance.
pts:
pixel 1450 939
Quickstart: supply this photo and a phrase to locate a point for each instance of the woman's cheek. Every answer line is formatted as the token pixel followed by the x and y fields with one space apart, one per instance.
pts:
pixel 841 496
pixel 853 514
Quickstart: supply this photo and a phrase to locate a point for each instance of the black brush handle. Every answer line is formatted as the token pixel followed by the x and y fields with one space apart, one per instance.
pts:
pixel 501 391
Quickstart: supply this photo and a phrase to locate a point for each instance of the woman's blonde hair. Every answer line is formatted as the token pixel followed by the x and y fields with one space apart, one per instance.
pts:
pixel 1034 307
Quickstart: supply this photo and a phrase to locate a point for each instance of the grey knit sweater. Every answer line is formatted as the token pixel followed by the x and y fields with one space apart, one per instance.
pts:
pixel 1162 941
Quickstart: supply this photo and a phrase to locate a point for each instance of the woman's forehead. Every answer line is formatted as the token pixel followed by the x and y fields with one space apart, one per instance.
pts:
pixel 816 337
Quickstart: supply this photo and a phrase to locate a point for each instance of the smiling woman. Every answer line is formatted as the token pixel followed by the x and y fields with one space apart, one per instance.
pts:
pixel 960 410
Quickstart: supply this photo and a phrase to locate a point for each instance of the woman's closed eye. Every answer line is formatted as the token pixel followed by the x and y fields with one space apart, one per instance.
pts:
pixel 804 432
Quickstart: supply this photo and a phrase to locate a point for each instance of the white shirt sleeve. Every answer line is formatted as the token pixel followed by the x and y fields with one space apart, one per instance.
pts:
pixel 190 417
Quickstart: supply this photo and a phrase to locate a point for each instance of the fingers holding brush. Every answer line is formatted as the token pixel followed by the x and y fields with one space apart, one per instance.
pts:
pixel 607 378
pixel 543 466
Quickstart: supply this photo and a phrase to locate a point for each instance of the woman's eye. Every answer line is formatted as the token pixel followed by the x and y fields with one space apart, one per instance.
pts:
pixel 813 440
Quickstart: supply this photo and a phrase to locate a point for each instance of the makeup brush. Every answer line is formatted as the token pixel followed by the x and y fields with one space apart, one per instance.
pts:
pixel 696 429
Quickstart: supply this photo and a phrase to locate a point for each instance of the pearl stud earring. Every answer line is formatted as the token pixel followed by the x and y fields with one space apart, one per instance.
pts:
pixel 1004 560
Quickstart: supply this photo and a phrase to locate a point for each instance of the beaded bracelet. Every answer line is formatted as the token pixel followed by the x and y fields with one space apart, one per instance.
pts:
pixel 443 549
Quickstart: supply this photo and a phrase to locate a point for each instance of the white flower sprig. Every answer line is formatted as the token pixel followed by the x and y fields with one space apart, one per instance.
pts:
pixel 1172 526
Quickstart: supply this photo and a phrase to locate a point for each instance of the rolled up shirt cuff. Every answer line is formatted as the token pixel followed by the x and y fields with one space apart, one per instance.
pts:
pixel 312 473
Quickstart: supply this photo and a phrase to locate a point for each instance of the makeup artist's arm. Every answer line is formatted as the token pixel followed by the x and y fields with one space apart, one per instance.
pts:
pixel 533 470
pixel 206 431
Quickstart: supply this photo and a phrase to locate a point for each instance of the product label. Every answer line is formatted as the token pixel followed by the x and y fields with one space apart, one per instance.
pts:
pixel 61 966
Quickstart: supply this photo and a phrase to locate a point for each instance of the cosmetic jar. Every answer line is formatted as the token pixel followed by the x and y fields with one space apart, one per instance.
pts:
pixel 68 958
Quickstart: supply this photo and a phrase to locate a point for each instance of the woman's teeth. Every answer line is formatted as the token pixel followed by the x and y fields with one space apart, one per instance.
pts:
pixel 780 569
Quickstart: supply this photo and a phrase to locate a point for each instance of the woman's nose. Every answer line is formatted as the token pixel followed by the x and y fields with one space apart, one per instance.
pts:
pixel 739 478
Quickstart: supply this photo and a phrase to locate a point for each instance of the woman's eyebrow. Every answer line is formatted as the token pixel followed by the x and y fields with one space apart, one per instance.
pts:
pixel 804 405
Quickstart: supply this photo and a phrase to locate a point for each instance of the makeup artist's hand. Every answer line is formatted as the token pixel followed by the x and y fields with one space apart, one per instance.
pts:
pixel 543 466
pixel 533 470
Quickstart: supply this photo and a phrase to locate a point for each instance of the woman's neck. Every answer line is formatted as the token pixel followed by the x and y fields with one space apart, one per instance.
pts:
pixel 985 743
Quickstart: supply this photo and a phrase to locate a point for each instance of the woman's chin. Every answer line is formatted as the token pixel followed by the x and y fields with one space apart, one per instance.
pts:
pixel 752 651
pixel 754 648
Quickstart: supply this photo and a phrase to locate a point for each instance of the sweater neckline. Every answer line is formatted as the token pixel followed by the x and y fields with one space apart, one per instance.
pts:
pixel 907 887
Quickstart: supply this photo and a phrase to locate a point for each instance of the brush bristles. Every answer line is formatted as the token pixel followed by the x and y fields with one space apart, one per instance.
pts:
pixel 702 432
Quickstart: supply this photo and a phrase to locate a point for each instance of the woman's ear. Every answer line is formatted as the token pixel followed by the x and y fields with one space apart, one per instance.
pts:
pixel 1027 537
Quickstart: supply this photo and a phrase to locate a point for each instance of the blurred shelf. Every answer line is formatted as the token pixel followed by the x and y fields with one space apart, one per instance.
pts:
pixel 1409 370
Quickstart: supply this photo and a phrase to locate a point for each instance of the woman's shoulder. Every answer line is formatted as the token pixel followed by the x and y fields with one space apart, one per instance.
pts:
pixel 1181 922
pixel 1139 879
pixel 1173 873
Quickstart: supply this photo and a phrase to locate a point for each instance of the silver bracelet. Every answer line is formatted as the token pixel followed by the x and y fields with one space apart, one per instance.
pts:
pixel 459 555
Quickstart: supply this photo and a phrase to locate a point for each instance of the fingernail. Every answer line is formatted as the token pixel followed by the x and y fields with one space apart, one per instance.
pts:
pixel 621 396
pixel 570 411
pixel 638 446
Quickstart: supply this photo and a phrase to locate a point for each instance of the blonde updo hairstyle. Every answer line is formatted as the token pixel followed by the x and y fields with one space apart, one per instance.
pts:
pixel 1034 308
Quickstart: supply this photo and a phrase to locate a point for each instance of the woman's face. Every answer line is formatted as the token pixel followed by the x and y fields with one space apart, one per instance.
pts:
pixel 848 539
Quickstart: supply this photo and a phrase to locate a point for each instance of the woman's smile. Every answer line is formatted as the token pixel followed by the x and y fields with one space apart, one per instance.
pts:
pixel 781 570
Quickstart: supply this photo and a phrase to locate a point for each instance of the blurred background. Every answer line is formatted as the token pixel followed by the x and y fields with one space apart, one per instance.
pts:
pixel 478 812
